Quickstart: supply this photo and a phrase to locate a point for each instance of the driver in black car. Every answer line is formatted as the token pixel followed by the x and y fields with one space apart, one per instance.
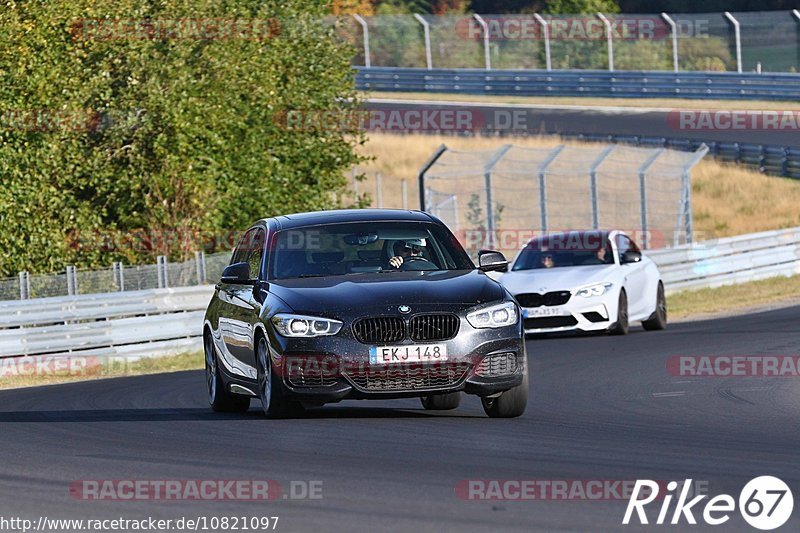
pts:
pixel 406 249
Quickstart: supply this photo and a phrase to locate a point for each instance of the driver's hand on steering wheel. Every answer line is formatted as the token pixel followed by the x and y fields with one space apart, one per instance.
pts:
pixel 396 261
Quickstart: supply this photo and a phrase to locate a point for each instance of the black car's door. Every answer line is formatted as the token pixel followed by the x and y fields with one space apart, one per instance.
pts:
pixel 237 313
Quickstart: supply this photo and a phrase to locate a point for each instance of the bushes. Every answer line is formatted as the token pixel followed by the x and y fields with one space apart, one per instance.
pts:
pixel 181 136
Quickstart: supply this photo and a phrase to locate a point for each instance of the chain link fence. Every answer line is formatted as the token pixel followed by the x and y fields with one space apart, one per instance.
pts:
pixel 766 41
pixel 501 198
pixel 119 277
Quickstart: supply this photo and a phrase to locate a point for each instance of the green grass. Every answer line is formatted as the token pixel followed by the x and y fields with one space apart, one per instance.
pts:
pixel 731 298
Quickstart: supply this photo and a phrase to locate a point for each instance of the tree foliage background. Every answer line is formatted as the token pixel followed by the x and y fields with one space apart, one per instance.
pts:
pixel 181 140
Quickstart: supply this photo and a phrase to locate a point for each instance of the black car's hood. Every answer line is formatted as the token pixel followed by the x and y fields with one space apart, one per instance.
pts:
pixel 369 292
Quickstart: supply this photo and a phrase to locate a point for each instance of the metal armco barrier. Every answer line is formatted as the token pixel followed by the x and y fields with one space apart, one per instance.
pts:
pixel 137 323
pixel 730 260
pixel 168 321
pixel 597 83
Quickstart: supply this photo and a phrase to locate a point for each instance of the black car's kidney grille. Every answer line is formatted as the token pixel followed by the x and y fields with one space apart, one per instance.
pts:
pixel 534 299
pixel 379 329
pixel 433 327
pixel 409 377
pixel 497 365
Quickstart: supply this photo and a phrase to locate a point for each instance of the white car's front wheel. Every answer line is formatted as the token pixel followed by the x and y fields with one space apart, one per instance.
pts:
pixel 658 320
pixel 621 326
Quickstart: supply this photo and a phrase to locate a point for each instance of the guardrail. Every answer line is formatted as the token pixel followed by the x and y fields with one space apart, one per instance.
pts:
pixel 167 321
pixel 781 161
pixel 729 260
pixel 137 323
pixel 597 83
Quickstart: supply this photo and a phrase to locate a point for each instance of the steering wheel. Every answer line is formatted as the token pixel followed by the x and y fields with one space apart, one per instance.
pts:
pixel 415 262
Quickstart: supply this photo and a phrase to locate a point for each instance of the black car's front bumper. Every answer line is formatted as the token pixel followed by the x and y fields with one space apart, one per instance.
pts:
pixel 339 367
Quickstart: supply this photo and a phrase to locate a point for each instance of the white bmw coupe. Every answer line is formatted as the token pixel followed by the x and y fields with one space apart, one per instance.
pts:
pixel 588 281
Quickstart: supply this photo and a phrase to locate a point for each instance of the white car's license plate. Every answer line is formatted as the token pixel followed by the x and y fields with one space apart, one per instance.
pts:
pixel 412 353
pixel 544 311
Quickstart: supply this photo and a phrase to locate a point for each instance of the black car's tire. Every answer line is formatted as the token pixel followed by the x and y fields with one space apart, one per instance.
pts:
pixel 621 326
pixel 511 403
pixel 658 320
pixel 441 402
pixel 270 388
pixel 219 398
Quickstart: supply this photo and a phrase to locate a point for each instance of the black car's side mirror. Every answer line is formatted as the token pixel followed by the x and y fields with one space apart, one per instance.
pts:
pixel 630 257
pixel 237 273
pixel 489 261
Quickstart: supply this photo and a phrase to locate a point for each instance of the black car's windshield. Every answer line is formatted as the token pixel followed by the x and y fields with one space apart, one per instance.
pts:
pixel 361 247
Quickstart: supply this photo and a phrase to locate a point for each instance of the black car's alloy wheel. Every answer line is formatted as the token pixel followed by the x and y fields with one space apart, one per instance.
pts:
pixel 270 389
pixel 441 402
pixel 218 397
pixel 511 403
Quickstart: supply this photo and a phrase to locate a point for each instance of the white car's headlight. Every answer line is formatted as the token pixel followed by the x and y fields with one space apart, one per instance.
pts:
pixel 494 316
pixel 598 289
pixel 290 325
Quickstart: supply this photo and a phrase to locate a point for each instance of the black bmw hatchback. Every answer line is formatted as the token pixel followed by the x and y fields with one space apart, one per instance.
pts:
pixel 320 307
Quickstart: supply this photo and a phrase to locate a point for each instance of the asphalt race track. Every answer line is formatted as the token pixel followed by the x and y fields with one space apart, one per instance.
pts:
pixel 605 120
pixel 602 408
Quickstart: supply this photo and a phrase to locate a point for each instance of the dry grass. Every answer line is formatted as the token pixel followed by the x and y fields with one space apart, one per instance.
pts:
pixel 745 105
pixel 151 365
pixel 733 297
pixel 727 200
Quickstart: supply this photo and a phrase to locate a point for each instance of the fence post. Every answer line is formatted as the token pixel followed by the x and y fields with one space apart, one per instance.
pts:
pixel 427 30
pixel 24 285
pixel 72 281
pixel 543 185
pixel 546 34
pixel 643 192
pixel 425 168
pixel 200 261
pixel 738 36
pixel 689 220
pixel 404 192
pixel 119 275
pixel 593 183
pixel 486 54
pixel 161 267
pixel 796 15
pixel 379 189
pixel 610 39
pixel 674 30
pixel 487 176
pixel 365 29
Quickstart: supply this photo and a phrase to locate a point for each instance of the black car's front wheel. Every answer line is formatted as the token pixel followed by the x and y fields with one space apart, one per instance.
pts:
pixel 218 396
pixel 511 403
pixel 441 402
pixel 270 388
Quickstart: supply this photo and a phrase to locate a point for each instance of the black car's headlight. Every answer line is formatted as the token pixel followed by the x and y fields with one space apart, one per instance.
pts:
pixel 290 325
pixel 494 316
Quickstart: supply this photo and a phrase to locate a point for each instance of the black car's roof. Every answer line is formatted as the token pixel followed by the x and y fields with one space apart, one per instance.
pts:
pixel 349 215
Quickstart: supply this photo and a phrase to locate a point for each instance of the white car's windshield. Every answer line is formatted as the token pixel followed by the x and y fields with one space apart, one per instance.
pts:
pixel 532 258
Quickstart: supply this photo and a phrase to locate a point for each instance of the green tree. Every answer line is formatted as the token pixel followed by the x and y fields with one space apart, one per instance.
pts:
pixel 184 133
